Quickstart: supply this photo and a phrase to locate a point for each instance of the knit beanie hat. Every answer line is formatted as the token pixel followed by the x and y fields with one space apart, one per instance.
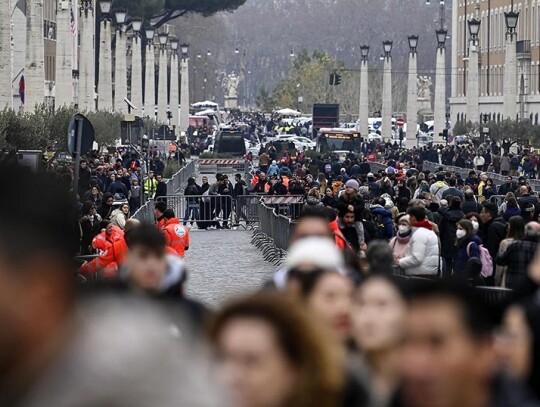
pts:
pixel 352 183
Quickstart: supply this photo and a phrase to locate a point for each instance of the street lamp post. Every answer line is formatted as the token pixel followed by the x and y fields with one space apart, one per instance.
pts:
pixel 510 66
pixel 208 53
pixel 87 71
pixel 439 105
pixel 387 90
pixel 363 112
pixel 473 110
pixel 162 77
pixel 104 86
pixel 184 88
pixel 412 95
pixel 150 74
pixel 120 70
pixel 136 64
pixel 174 102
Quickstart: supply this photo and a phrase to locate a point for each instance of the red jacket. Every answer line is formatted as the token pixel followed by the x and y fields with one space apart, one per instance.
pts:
pixel 341 242
pixel 103 242
pixel 109 261
pixel 176 236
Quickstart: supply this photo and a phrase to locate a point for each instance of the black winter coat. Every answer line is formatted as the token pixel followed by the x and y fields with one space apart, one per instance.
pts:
pixel 447 231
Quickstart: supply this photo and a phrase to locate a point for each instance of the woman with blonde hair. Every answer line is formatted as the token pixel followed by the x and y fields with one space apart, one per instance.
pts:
pixel 323 184
pixel 270 353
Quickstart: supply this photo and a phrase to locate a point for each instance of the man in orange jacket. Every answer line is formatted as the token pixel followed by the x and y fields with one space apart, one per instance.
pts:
pixel 176 234
pixel 110 260
pixel 109 234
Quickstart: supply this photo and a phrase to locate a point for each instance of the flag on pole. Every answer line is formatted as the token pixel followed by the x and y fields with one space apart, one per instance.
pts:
pixel 73 23
pixel 22 89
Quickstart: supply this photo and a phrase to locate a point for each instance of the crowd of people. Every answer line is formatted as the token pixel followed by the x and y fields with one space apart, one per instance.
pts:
pixel 329 329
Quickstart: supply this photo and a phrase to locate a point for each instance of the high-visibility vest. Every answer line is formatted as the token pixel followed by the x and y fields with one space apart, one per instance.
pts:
pixel 109 261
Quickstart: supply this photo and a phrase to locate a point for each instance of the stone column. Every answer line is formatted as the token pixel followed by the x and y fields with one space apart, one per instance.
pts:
pixel 87 63
pixel 6 60
pixel 162 86
pixel 174 102
pixel 387 99
pixel 34 70
pixel 510 79
pixel 136 73
pixel 184 95
pixel 439 103
pixel 473 109
pixel 150 82
pixel 363 113
pixel 64 82
pixel 412 101
pixel 105 100
pixel 120 72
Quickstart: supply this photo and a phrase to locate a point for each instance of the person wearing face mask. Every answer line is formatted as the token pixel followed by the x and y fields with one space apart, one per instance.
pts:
pixel 468 248
pixel 474 218
pixel 400 242
pixel 447 232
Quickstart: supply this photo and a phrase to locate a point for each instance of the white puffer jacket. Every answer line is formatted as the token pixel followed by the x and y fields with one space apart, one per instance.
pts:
pixel 422 256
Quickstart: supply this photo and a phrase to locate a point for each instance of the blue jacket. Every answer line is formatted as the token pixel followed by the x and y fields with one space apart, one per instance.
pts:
pixel 386 215
pixel 462 257
pixel 273 170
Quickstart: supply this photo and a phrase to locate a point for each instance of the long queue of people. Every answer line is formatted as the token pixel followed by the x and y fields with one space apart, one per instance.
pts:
pixel 327 330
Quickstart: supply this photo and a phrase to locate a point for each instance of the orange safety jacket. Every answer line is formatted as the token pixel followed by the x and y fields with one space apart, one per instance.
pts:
pixel 109 261
pixel 160 223
pixel 103 242
pixel 176 236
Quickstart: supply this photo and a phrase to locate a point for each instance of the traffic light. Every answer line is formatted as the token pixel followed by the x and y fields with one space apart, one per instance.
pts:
pixel 337 80
pixel 445 134
pixel 332 79
pixel 400 134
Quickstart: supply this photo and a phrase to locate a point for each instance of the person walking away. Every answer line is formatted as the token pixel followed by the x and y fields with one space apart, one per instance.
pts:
pixel 438 188
pixel 452 190
pixel 176 234
pixel 519 255
pixel 516 231
pixel 470 205
pixel 383 217
pixel 422 258
pixel 205 213
pixel 447 233
pixel 264 161
pixel 225 190
pixel 494 231
pixel 192 201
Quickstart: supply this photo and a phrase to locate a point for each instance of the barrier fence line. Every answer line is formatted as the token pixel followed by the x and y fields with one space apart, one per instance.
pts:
pixel 464 172
pixel 174 185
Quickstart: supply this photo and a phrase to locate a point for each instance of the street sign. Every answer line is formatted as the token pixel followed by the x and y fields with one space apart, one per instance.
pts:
pixel 376 125
pixel 86 131
pixel 400 122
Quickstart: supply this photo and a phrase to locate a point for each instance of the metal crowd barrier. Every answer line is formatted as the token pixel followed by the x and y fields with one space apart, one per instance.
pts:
pixel 274 225
pixel 224 166
pixel 179 180
pixel 205 210
pixel 175 184
pixel 464 172
pixel 493 295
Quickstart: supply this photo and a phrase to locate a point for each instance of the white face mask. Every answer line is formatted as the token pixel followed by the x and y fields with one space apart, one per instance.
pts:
pixel 474 224
pixel 403 229
pixel 460 233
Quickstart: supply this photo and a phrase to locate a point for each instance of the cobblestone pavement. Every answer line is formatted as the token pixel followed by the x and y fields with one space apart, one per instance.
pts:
pixel 223 264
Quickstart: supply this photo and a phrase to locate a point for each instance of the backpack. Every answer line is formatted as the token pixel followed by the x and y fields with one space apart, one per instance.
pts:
pixel 485 258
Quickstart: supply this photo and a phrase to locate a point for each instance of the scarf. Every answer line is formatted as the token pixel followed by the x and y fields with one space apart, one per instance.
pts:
pixel 404 239
pixel 424 224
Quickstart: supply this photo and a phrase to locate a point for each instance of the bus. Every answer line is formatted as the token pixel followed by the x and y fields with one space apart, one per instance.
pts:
pixel 335 139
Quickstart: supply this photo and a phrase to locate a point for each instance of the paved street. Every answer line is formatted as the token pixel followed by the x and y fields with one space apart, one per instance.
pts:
pixel 222 264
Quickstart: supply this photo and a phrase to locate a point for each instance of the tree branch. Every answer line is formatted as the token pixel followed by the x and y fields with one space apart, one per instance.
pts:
pixel 169 16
